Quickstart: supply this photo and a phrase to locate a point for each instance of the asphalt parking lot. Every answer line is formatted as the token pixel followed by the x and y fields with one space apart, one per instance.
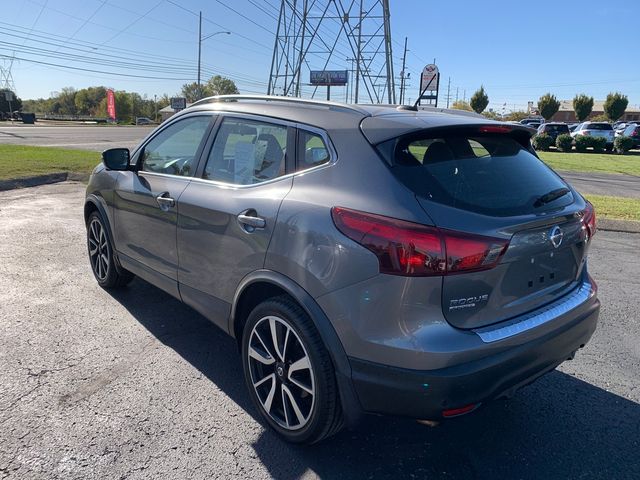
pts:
pixel 136 385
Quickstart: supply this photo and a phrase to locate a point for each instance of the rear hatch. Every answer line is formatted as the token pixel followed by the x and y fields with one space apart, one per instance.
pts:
pixel 486 191
pixel 604 130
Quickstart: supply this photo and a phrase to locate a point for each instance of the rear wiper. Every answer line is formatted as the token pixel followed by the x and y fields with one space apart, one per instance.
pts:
pixel 550 196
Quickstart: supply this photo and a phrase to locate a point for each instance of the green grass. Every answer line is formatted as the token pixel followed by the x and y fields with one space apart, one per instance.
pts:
pixel 17 161
pixel 618 208
pixel 593 162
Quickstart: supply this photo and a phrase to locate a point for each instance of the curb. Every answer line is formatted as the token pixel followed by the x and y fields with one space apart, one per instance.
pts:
pixel 37 180
pixel 624 226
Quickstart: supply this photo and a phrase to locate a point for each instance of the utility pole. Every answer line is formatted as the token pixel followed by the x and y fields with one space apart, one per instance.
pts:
pixel 402 73
pixel 359 56
pixel 199 51
pixel 155 104
pixel 457 89
pixel 200 40
pixel 448 91
pixel 464 96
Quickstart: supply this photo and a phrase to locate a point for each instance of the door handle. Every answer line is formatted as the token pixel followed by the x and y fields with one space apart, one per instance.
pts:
pixel 249 220
pixel 165 201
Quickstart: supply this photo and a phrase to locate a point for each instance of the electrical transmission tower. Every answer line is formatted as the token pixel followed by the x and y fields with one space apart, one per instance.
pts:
pixel 334 35
pixel 6 78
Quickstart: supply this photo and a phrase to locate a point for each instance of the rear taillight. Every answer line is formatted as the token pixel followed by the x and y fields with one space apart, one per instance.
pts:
pixel 411 249
pixel 635 133
pixel 585 132
pixel 589 220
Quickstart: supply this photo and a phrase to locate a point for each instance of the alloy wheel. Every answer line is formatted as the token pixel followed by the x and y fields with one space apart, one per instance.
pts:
pixel 281 373
pixel 98 250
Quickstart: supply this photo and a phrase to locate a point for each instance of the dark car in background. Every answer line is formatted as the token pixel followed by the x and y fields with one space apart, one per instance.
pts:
pixel 554 129
pixel 633 131
pixel 366 258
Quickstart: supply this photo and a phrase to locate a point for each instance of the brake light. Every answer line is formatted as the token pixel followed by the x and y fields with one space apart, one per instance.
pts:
pixel 410 249
pixel 495 129
pixel 589 220
pixel 586 132
pixel 454 412
pixel 635 133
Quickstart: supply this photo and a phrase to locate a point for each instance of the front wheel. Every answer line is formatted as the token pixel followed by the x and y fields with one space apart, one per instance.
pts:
pixel 289 373
pixel 101 257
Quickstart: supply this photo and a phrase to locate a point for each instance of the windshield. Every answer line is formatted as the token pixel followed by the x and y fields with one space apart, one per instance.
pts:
pixel 488 174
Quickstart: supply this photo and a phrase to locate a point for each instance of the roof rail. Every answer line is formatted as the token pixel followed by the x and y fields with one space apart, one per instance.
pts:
pixel 276 98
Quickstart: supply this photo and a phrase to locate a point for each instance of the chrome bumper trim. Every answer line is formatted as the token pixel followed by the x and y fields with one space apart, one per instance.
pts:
pixel 534 319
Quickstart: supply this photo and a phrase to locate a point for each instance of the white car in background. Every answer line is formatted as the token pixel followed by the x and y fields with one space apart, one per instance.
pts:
pixel 596 129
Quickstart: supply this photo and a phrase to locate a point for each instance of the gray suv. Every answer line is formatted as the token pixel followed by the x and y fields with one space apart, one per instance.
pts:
pixel 367 259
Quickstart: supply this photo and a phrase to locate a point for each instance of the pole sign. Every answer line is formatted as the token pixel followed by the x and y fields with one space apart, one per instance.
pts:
pixel 111 105
pixel 329 77
pixel 8 95
pixel 178 103
pixel 429 84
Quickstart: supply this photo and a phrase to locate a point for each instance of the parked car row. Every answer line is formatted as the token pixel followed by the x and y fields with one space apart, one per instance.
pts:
pixel 591 129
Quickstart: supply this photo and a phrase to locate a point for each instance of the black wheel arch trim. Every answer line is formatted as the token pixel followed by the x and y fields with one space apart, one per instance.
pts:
pixel 100 204
pixel 350 404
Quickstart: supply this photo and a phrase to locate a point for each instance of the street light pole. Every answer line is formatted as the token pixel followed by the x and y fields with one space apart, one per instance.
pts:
pixel 199 49
pixel 200 40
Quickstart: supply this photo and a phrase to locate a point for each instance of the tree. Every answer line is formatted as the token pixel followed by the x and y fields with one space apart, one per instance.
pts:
pixel 217 85
pixel 582 105
pixel 87 100
pixel 615 105
pixel 461 105
pixel 191 92
pixel 548 105
pixel 516 116
pixel 479 100
pixel 222 86
pixel 492 115
pixel 16 103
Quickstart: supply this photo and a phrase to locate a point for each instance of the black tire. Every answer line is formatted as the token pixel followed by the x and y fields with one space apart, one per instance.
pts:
pixel 324 416
pixel 101 257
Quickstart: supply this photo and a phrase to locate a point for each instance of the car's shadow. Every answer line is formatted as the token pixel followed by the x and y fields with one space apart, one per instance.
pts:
pixel 559 427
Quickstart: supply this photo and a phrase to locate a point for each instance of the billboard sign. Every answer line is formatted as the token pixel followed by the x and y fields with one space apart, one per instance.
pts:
pixel 178 103
pixel 329 77
pixel 429 74
pixel 429 85
pixel 111 104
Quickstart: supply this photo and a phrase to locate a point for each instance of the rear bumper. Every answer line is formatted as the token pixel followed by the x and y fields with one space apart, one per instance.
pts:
pixel 426 393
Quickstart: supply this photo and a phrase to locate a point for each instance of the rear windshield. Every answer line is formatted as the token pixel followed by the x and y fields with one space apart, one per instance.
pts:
pixel 556 128
pixel 491 174
pixel 598 126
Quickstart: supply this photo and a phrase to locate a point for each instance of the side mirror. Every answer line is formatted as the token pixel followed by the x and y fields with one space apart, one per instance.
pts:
pixel 116 158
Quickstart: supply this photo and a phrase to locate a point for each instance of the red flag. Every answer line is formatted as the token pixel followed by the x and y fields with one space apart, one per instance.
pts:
pixel 111 104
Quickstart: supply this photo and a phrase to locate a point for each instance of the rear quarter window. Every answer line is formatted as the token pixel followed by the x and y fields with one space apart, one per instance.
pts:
pixel 489 174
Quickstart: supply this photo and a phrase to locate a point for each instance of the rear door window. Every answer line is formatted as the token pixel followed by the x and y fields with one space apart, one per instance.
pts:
pixel 246 152
pixel 489 174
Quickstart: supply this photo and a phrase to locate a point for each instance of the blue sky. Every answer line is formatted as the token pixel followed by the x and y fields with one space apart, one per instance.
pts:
pixel 517 50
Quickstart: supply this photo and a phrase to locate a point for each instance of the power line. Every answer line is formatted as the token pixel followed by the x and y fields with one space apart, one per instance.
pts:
pixel 95 71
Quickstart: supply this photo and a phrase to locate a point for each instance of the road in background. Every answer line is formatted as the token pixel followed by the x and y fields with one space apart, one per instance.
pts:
pixel 620 185
pixel 133 384
pixel 82 137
